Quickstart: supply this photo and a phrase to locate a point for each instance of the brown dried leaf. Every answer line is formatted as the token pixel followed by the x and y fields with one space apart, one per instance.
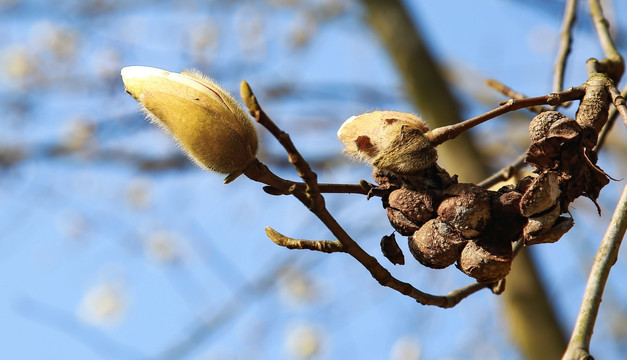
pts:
pixel 391 250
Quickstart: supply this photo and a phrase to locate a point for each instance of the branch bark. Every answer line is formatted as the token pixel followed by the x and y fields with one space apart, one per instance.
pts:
pixel 579 345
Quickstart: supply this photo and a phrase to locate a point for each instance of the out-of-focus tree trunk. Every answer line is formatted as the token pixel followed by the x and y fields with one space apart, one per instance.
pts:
pixel 424 84
pixel 530 317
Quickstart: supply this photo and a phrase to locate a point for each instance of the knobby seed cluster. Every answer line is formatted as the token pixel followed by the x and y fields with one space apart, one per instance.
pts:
pixel 448 222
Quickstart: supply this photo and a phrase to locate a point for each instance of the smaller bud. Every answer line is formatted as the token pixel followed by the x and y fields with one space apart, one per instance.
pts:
pixel 467 208
pixel 389 140
pixel 206 122
pixel 436 245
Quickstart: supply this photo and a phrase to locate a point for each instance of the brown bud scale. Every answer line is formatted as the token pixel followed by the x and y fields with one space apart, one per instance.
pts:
pixel 436 245
pixel 541 195
pixel 486 260
pixel 467 208
pixel 417 206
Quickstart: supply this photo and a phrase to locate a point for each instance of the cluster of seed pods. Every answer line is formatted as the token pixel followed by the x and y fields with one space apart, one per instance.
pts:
pixel 448 222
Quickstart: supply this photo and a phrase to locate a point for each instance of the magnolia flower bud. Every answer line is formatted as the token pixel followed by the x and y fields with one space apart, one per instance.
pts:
pixel 207 123
pixel 389 140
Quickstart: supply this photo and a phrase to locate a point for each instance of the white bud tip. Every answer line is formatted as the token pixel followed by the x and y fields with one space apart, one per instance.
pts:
pixel 130 72
pixel 344 124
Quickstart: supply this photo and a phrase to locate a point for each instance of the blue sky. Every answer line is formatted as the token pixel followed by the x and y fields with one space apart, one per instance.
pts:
pixel 100 259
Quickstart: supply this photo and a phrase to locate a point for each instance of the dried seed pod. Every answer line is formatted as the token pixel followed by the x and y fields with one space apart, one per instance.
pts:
pixel 386 179
pixel 560 227
pixel 524 184
pixel 541 195
pixel 430 178
pixel 486 260
pixel 389 140
pixel 436 245
pixel 539 224
pixel 391 250
pixel 508 200
pixel 506 223
pixel 417 206
pixel 541 123
pixel 467 208
pixel 400 222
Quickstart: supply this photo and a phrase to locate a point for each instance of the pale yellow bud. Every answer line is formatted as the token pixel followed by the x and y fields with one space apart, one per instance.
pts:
pixel 389 140
pixel 207 123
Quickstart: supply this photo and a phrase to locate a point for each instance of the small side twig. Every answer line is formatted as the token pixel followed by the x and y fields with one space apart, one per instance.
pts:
pixel 302 167
pixel 611 119
pixel 570 13
pixel 512 94
pixel 579 345
pixel 362 189
pixel 326 246
pixel 505 173
pixel 439 135
pixel 613 64
pixel 619 102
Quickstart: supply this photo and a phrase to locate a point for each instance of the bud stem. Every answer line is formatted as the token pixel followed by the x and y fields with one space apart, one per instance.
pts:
pixel 439 135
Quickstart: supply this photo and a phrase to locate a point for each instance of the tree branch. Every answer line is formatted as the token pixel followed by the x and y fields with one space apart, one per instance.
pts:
pixel 611 119
pixel 325 246
pixel 315 202
pixel 513 94
pixel 570 13
pixel 619 102
pixel 445 133
pixel 505 173
pixel 579 345
pixel 613 64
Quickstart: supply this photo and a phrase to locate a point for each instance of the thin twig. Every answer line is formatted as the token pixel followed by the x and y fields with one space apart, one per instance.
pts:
pixel 579 345
pixel 383 276
pixel 302 167
pixel 505 173
pixel 570 13
pixel 326 246
pixel 613 65
pixel 512 94
pixel 362 189
pixel 619 102
pixel 611 119
pixel 444 133
pixel 260 172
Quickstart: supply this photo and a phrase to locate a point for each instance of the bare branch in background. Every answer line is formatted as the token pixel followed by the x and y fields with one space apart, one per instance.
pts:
pixel 579 345
pixel 570 14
